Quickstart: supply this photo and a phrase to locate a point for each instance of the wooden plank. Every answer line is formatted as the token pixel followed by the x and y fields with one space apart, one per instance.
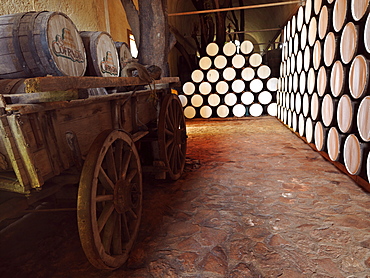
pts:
pixel 45 97
pixel 64 83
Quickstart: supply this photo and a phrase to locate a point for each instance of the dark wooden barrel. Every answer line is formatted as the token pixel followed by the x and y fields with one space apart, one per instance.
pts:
pixel 124 53
pixel 102 56
pixel 40 43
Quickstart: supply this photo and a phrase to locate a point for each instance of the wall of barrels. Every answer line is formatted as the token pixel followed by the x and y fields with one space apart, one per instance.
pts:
pixel 323 88
pixel 230 82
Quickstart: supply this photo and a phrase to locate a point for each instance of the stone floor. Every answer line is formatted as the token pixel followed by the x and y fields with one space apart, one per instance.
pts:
pixel 255 201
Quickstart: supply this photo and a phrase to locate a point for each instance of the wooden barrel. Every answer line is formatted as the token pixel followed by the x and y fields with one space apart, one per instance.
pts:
pixel 248 74
pixel 238 61
pixel 196 100
pixel 323 26
pixel 246 47
pixel 205 63
pixel 302 82
pixel 311 81
pixel 183 99
pixel 272 84
pixel 102 56
pixel 359 9
pixel 188 88
pixel 238 86
pixel 306 104
pixel 222 87
pixel 293 26
pixel 290 83
pixel 359 77
pixel 247 98
pixel 230 99
pixel 256 110
pixel 222 111
pixel 214 100
pixel 38 44
pixel 367 34
pixel 256 85
pixel 229 49
pixel 309 130
pixel 307 58
pixel 292 64
pixel 298 103
pixel 190 112
pixel 304 35
pixel 212 49
pixel 205 88
pixel 124 53
pixel 301 125
pixel 205 112
pixel 330 49
pixel 296 40
pixel 315 107
pixel 213 75
pixel 368 167
pixel 337 79
pixel 322 81
pixel 220 61
pixel 308 11
pixel 255 60
pixel 299 61
pixel 339 14
pixel 317 6
pixel 272 109
pixel 345 114
pixel 300 18
pixel 229 73
pixel 239 110
pixel 316 59
pixel 320 135
pixel 363 119
pixel 263 72
pixel 290 119
pixel 327 110
pixel 265 97
pixel 312 31
pixel 290 101
pixel 353 154
pixel 197 76
pixel 333 144
pixel 348 43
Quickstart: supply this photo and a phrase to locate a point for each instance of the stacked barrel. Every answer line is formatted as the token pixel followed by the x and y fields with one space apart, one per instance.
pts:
pixel 230 82
pixel 323 91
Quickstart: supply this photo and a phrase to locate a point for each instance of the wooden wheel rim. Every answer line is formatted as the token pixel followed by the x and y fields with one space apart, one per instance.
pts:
pixel 172 136
pixel 109 201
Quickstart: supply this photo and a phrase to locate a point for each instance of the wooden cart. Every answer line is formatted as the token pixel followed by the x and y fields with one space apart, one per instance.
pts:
pixel 54 134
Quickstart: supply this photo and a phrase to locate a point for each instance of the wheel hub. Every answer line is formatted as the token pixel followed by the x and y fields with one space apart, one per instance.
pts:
pixel 122 196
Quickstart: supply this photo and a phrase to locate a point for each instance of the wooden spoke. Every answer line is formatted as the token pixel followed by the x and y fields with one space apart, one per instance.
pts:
pixel 106 182
pixel 103 198
pixel 168 132
pixel 109 204
pixel 111 165
pixel 106 213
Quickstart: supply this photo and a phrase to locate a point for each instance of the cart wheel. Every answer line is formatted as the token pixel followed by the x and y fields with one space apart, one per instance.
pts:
pixel 109 201
pixel 172 136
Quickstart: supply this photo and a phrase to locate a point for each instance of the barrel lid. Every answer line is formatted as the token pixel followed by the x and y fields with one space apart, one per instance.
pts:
pixel 263 71
pixel 367 34
pixel 363 119
pixel 300 18
pixel 255 59
pixel 290 118
pixel 304 37
pixel 298 103
pixel 212 49
pixel 316 60
pixel 184 100
pixel 265 97
pixel 302 82
pixel 293 26
pixel 307 58
pixel 188 88
pixel 196 100
pixel 272 84
pixel 205 88
pixel 359 76
pixel 197 76
pixel 352 154
pixel 319 136
pixel 247 98
pixel 222 111
pixel 238 86
pixel 294 121
pixel 205 63
pixel 213 75
pixel 256 85
pixel 311 81
pixel 329 49
pixel 222 87
pixel 312 31
pixel 327 110
pixel 230 99
pixel 344 114
pixel 246 47
pixel 348 43
pixel 315 108
pixel 337 78
pixel 317 6
pixel 333 144
pixel 239 110
pixel 220 61
pixel 301 125
pixel 238 61
pixel 229 74
pixel 368 167
pixel 272 109
pixel 248 74
pixel 323 22
pixel 339 14
pixel 308 11
pixel 292 63
pixel 189 112
pixel 359 8
pixel 65 45
pixel 213 99
pixel 296 43
pixel 229 49
pixel 309 130
pixel 256 110
pixel 305 104
pixel 322 81
pixel 205 112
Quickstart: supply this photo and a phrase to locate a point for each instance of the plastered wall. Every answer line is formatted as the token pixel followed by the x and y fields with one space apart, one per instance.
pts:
pixel 87 15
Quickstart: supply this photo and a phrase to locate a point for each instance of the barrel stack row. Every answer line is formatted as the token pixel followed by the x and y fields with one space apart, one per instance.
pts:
pixel 323 88
pixel 230 82
pixel 48 43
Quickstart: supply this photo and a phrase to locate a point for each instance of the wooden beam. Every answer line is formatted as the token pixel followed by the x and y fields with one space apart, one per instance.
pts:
pixel 255 31
pixel 238 8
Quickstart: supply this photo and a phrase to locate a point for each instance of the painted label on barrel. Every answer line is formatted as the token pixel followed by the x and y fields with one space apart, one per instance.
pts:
pixel 107 64
pixel 65 46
